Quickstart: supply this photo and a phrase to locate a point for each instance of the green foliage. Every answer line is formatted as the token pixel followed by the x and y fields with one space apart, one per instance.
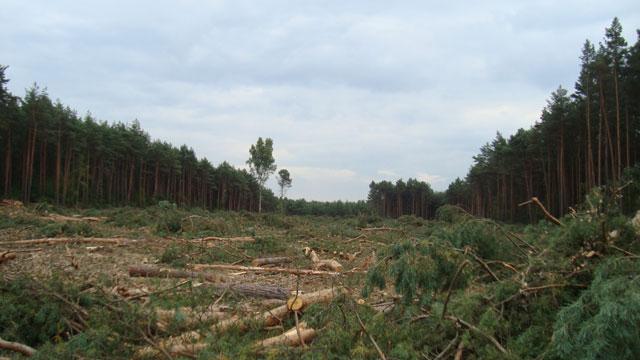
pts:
pixel 35 315
pixel 417 269
pixel 605 321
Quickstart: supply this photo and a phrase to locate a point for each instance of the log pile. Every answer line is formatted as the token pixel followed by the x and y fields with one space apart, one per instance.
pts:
pixel 191 342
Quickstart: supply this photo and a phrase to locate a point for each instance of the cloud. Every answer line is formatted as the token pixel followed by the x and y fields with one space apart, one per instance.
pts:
pixel 349 91
pixel 432 179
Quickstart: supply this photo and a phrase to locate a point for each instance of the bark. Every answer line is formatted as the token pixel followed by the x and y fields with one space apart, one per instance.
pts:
pixel 199 267
pixel 69 240
pixel 271 261
pixel 17 347
pixel 534 200
pixel 7 164
pixel 291 337
pixel 190 340
pixel 156 272
pixel 219 281
pixel 216 238
pixel 190 317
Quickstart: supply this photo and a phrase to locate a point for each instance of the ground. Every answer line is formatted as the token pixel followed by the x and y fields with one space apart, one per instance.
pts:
pixel 166 237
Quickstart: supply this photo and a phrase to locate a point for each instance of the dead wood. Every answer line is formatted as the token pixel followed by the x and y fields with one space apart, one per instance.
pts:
pixel 69 240
pixel 7 256
pixel 156 272
pixel 381 229
pixel 199 267
pixel 480 332
pixel 375 344
pixel 459 351
pixel 534 200
pixel 256 290
pixel 271 261
pixel 291 337
pixel 17 347
pixel 319 264
pixel 11 203
pixel 190 340
pixel 220 282
pixel 190 317
pixel 217 238
pixel 64 218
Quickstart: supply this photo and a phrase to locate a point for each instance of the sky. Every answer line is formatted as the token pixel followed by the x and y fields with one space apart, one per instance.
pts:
pixel 349 91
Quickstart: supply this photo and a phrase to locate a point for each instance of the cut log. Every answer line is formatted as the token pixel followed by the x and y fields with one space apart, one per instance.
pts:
pixel 17 347
pixel 275 315
pixel 199 267
pixel 332 265
pixel 271 261
pixel 217 238
pixel 257 290
pixel 220 282
pixel 11 203
pixel 268 318
pixel 380 229
pixel 290 337
pixel 69 240
pixel 188 317
pixel 64 218
pixel 156 272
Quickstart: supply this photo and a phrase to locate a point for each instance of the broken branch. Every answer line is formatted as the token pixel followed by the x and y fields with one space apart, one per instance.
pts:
pixel 534 200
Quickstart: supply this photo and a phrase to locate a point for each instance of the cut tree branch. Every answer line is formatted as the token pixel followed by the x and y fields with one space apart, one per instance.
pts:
pixel 534 200
pixel 17 347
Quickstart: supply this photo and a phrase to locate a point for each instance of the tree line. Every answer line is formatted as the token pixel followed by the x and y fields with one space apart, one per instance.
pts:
pixel 583 139
pixel 413 197
pixel 49 153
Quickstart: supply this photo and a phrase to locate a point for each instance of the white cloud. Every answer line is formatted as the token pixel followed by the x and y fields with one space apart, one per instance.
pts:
pixel 432 180
pixel 349 91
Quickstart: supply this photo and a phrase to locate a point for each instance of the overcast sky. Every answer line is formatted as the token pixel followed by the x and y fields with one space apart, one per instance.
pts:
pixel 350 91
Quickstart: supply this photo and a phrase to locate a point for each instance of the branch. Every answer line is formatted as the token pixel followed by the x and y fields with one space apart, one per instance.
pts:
pixel 455 277
pixel 475 329
pixel 17 347
pixel 370 337
pixel 534 200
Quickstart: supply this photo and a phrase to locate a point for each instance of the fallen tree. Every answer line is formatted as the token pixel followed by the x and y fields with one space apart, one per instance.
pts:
pixel 271 261
pixel 218 281
pixel 190 317
pixel 17 347
pixel 293 337
pixel 199 267
pixel 157 272
pixel 217 238
pixel 70 240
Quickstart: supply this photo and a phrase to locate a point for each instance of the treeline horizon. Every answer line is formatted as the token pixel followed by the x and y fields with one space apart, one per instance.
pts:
pixel 50 154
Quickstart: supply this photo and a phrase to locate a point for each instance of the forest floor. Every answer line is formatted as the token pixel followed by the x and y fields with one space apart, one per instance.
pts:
pixel 163 282
pixel 93 250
